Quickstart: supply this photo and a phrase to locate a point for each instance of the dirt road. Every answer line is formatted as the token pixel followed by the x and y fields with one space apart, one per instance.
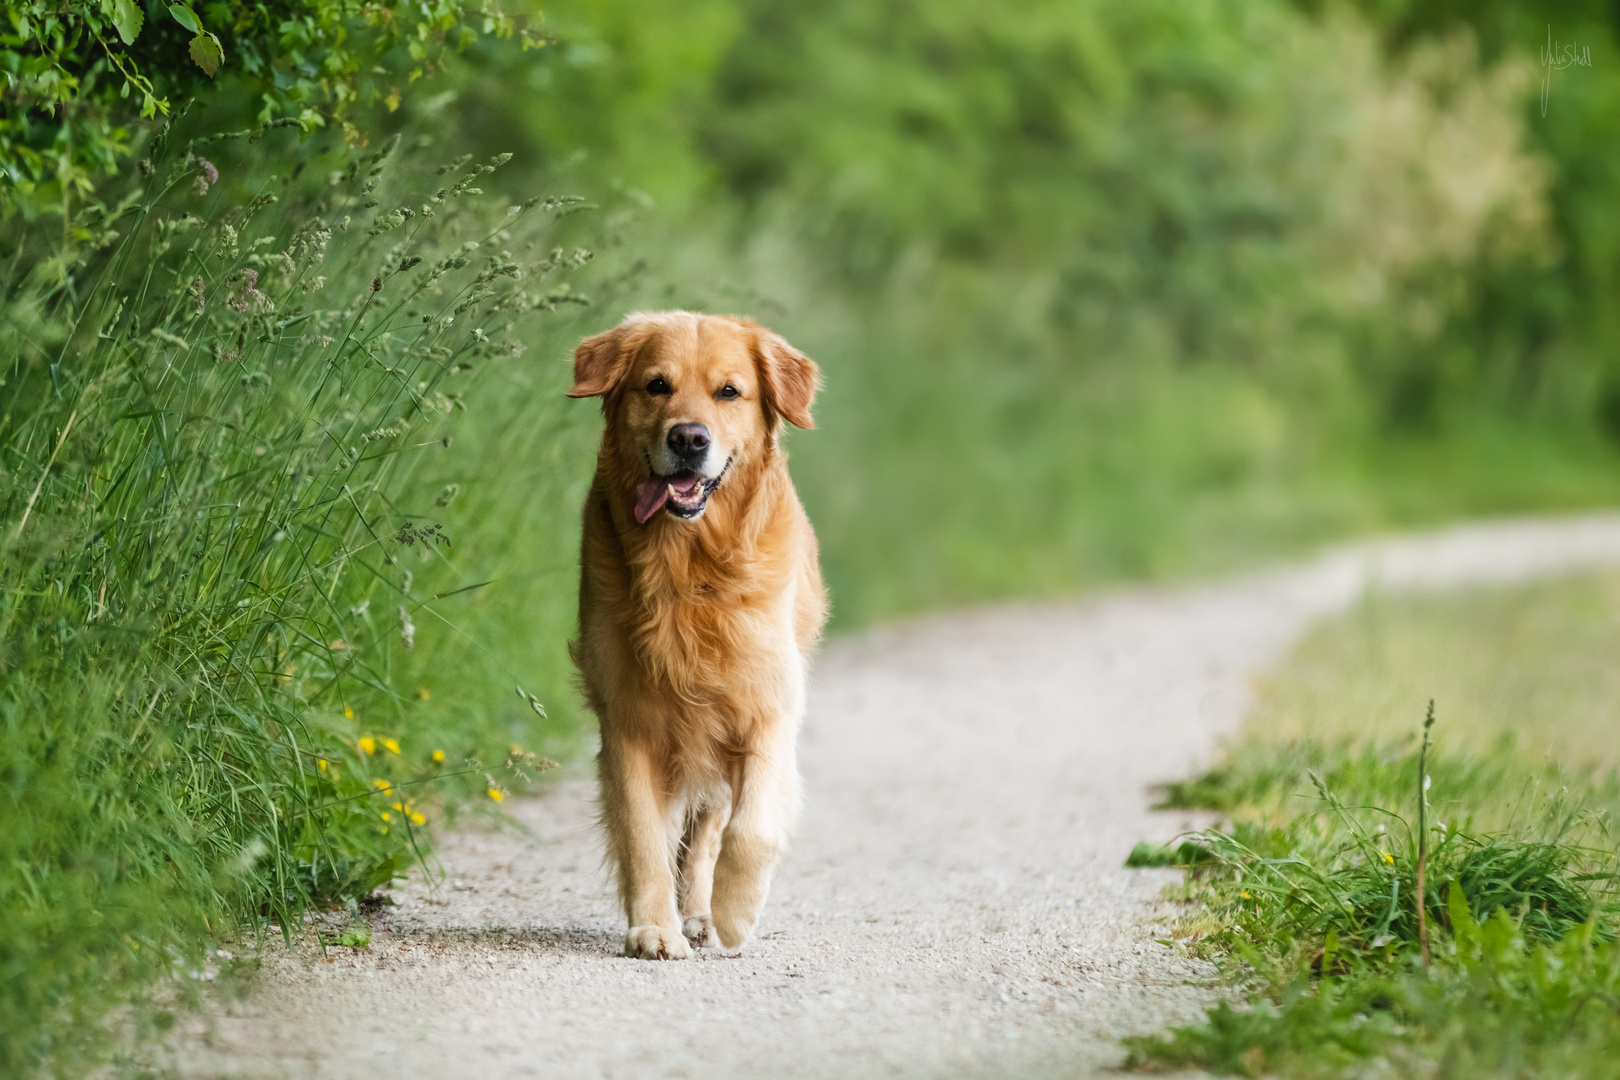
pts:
pixel 955 903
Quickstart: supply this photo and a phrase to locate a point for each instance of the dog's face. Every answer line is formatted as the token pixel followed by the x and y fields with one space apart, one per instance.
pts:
pixel 690 400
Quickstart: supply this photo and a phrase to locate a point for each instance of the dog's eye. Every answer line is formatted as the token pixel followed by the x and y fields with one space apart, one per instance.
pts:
pixel 658 386
pixel 728 393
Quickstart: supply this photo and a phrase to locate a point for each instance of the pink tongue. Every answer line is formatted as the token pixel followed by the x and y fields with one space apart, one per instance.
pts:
pixel 653 494
pixel 650 498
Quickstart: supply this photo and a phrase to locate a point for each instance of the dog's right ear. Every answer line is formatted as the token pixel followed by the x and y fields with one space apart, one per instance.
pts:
pixel 602 361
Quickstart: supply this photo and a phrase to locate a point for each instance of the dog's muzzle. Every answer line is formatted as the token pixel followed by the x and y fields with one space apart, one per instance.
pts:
pixel 684 494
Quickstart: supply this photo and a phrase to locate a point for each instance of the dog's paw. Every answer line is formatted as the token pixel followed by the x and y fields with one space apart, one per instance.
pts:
pixel 733 927
pixel 655 943
pixel 699 930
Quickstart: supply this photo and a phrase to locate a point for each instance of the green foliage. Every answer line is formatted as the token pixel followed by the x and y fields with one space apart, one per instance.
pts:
pixel 1314 908
pixel 1186 853
pixel 1500 1007
pixel 78 74
pixel 1264 777
pixel 223 514
pixel 1106 291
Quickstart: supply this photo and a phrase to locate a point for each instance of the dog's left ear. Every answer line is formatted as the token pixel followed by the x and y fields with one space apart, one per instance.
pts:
pixel 789 378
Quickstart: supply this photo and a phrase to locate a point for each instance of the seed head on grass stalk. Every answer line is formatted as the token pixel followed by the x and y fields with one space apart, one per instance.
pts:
pixel 1422 898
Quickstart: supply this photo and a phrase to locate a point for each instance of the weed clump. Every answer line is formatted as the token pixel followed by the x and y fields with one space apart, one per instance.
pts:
pixel 1365 937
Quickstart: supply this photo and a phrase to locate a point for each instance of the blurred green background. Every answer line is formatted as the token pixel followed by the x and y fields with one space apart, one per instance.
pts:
pixel 1108 291
pixel 1100 292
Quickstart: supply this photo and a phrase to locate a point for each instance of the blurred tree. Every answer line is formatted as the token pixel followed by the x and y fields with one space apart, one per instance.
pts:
pixel 1502 25
pixel 1189 180
pixel 1147 254
pixel 1527 324
pixel 1196 179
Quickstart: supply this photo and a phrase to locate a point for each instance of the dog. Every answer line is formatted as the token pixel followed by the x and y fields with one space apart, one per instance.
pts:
pixel 700 601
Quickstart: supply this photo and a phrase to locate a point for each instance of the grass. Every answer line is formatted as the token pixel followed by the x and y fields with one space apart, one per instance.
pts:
pixel 1533 666
pixel 242 564
pixel 1307 896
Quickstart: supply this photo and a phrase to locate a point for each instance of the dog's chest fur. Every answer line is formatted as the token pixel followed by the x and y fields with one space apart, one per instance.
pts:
pixel 710 631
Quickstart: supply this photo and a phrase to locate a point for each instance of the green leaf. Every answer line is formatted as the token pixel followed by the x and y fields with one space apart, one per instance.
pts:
pixel 1187 853
pixel 207 52
pixel 128 18
pixel 1463 926
pixel 356 937
pixel 186 18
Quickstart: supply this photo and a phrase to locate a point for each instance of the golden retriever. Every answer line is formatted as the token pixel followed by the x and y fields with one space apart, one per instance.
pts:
pixel 700 598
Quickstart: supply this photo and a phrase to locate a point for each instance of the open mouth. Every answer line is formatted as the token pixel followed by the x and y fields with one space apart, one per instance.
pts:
pixel 684 494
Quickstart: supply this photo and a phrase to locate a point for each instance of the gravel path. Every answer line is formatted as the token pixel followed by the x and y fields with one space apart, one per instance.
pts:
pixel 955 903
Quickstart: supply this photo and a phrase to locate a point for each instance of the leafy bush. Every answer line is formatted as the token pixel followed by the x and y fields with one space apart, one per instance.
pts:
pixel 78 73
pixel 223 446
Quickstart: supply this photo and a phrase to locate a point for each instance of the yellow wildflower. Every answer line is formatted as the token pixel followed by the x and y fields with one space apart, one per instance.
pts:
pixel 438 755
pixel 321 764
pixel 423 693
pixel 398 806
pixel 392 745
pixel 368 745
pixel 1244 895
pixel 497 794
pixel 386 816
pixel 381 785
pixel 418 818
pixel 1388 857
pixel 348 713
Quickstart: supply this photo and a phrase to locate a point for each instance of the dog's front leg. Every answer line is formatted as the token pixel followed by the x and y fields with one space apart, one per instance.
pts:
pixel 765 801
pixel 637 811
pixel 702 848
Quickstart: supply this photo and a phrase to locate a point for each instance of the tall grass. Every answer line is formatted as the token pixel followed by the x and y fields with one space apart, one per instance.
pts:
pixel 232 574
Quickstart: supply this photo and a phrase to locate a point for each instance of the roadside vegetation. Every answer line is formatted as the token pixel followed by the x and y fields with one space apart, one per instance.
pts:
pixel 243 669
pixel 267 613
pixel 1394 908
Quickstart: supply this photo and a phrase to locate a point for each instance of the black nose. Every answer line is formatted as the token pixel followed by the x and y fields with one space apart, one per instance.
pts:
pixel 689 441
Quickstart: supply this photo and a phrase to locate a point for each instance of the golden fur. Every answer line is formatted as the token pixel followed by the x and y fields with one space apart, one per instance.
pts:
pixel 694 634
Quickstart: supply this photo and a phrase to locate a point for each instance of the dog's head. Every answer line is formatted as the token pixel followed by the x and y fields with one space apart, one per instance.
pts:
pixel 691 399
